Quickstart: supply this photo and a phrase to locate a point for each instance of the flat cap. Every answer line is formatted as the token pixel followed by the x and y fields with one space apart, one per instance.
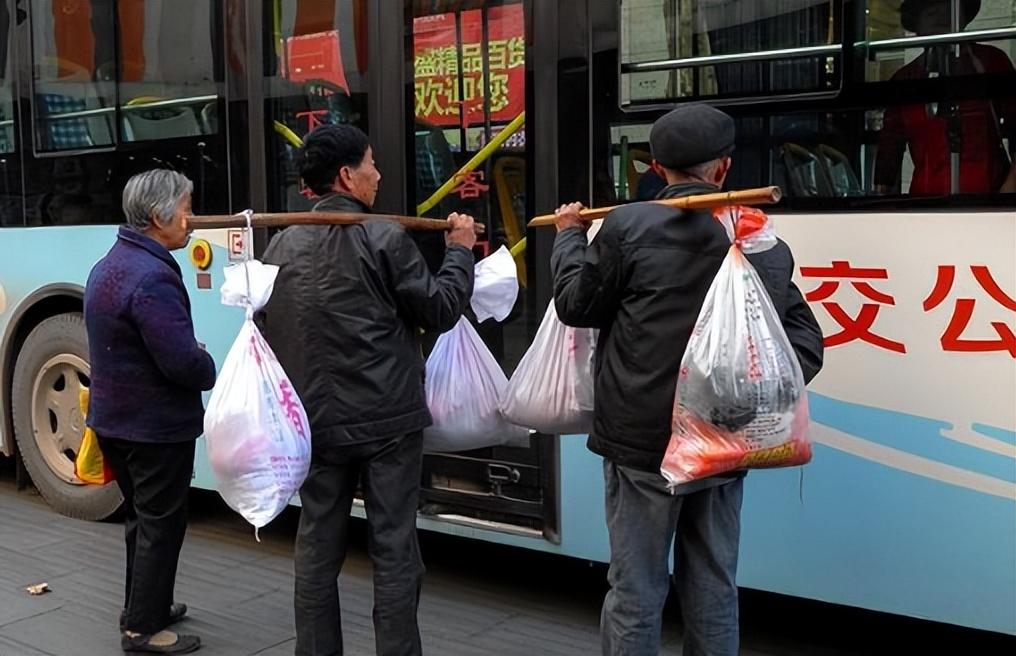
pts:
pixel 691 134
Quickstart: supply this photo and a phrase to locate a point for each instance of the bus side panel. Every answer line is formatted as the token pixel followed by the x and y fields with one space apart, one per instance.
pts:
pixel 909 503
pixel 32 258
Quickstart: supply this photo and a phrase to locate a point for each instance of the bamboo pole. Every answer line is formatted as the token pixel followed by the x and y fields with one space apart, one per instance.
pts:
pixel 760 196
pixel 282 219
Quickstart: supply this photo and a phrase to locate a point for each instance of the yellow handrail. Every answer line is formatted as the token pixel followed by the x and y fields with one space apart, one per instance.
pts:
pixel 476 160
pixel 519 247
pixel 287 134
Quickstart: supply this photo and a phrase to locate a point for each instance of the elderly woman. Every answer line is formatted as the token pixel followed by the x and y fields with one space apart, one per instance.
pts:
pixel 148 372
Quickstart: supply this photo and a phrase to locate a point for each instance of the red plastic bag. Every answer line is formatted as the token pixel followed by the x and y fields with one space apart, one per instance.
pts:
pixel 740 400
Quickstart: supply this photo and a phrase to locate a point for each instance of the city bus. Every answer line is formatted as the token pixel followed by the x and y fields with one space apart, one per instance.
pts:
pixel 890 127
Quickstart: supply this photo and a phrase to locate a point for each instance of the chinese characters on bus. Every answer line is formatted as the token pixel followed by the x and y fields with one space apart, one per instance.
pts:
pixel 448 66
pixel 963 310
pixel 862 326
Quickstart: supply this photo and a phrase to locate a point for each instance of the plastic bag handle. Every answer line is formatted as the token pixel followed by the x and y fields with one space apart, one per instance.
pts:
pixel 248 243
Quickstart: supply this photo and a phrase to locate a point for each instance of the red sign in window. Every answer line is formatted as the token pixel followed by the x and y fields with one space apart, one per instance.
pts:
pixel 438 67
pixel 316 57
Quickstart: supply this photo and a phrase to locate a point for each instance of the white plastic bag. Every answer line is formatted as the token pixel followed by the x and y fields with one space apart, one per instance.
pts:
pixel 740 399
pixel 551 390
pixel 495 286
pixel 256 431
pixel 464 381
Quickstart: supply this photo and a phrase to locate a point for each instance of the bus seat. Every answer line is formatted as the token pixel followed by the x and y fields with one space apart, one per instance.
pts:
pixel 62 96
pixel 510 183
pixel 839 170
pixel 210 118
pixel 805 171
pixel 161 123
pixel 633 173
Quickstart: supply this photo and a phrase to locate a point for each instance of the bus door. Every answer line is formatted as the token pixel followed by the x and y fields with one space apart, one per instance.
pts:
pixel 322 67
pixel 110 89
pixel 467 152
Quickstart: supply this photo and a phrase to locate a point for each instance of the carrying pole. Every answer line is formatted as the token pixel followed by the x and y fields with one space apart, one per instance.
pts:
pixel 751 197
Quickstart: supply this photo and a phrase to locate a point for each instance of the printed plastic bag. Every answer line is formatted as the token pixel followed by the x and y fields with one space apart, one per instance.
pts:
pixel 551 390
pixel 464 381
pixel 256 431
pixel 740 400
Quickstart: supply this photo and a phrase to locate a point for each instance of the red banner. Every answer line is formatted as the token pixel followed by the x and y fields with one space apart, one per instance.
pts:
pixel 437 71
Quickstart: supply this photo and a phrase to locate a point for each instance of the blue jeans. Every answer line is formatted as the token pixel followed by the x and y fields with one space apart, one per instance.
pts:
pixel 704 526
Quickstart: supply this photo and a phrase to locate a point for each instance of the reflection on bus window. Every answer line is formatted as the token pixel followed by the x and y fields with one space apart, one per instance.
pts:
pixel 6 84
pixel 316 74
pixel 961 145
pixel 468 77
pixel 657 31
pixel 167 80
pixel 72 110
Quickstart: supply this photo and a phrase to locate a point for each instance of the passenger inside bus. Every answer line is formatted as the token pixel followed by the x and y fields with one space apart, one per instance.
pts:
pixel 975 129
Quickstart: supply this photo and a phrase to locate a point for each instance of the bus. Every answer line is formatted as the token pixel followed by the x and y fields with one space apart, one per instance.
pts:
pixel 890 127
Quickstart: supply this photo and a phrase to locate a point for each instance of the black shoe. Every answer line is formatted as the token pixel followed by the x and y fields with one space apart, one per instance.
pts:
pixel 163 642
pixel 176 613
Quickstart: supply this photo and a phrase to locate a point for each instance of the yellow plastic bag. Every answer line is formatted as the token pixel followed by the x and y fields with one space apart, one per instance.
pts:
pixel 90 466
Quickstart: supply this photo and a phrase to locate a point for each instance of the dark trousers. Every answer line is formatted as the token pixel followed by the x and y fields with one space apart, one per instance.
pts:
pixel 704 526
pixel 389 474
pixel 154 480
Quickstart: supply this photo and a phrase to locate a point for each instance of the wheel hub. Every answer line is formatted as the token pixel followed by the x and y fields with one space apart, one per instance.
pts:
pixel 57 421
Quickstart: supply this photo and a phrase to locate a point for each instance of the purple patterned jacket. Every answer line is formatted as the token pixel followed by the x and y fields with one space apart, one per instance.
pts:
pixel 148 371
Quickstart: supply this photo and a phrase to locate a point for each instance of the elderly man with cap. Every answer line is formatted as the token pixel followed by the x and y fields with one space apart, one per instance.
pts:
pixel 642 282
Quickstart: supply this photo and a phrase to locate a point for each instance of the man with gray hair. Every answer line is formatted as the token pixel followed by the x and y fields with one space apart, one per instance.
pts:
pixel 642 282
pixel 147 375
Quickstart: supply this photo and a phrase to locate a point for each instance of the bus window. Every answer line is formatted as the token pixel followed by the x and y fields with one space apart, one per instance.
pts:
pixel 316 74
pixel 167 80
pixel 929 113
pixel 674 49
pixel 827 155
pixel 72 110
pixel 946 144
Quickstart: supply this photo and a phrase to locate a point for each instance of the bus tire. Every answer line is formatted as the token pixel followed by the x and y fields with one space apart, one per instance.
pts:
pixel 51 368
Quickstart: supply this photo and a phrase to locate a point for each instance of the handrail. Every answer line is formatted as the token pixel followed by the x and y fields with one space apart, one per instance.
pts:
pixel 936 39
pixel 733 58
pixel 995 34
pixel 99 111
pixel 475 161
pixel 287 134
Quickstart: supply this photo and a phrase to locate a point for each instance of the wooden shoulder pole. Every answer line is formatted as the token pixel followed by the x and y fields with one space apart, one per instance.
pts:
pixel 282 219
pixel 760 196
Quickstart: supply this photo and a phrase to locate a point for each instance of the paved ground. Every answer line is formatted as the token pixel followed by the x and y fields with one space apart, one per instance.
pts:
pixel 478 599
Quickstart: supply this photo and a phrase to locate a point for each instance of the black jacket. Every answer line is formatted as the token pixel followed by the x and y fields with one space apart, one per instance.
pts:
pixel 642 283
pixel 345 319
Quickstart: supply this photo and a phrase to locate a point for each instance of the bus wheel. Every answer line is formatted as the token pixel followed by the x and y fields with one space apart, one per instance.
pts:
pixel 49 374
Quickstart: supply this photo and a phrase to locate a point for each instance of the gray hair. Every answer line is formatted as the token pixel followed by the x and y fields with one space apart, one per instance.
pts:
pixel 154 194
pixel 702 171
